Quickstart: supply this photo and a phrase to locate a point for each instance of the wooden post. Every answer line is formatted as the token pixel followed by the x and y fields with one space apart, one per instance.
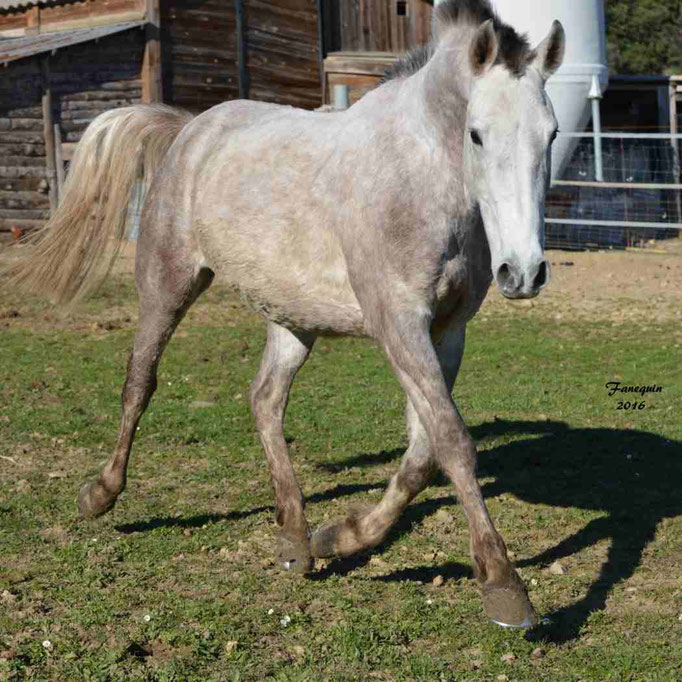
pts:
pixel 152 88
pixel 59 161
pixel 48 133
pixel 321 28
pixel 33 21
pixel 675 143
pixel 241 49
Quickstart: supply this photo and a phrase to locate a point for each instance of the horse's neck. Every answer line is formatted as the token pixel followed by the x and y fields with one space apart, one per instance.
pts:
pixel 437 111
pixel 429 116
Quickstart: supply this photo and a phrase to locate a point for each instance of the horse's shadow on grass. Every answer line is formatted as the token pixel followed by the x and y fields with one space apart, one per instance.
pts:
pixel 200 519
pixel 632 477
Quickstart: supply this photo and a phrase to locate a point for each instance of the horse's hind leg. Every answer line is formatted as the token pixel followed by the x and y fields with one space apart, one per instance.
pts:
pixel 363 530
pixel 285 352
pixel 166 292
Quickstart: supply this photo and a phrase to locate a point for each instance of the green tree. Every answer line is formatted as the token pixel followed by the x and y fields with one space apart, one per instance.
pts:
pixel 644 36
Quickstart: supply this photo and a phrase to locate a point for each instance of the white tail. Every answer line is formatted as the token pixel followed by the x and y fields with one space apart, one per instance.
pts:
pixel 77 247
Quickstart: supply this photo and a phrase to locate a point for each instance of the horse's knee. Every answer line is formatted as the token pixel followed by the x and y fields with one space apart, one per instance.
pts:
pixel 255 395
pixel 260 400
pixel 414 474
pixel 460 459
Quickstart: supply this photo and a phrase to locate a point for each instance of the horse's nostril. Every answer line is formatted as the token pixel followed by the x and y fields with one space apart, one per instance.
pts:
pixel 542 276
pixel 505 277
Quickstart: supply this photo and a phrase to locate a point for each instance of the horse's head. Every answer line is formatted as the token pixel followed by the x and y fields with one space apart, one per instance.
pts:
pixel 510 126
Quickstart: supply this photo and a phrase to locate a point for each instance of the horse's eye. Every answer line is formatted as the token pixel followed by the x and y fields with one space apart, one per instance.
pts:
pixel 476 138
pixel 554 134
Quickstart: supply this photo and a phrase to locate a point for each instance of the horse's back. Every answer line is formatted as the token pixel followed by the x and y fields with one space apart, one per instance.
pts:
pixel 250 176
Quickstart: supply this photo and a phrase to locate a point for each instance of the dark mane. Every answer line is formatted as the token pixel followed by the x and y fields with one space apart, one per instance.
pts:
pixel 515 52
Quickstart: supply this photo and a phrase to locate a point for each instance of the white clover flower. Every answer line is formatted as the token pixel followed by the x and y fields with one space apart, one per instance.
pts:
pixel 47 644
pixel 147 618
pixel 270 611
pixel 285 621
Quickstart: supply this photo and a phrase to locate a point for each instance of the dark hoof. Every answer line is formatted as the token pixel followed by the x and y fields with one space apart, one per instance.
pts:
pixel 294 553
pixel 95 500
pixel 509 607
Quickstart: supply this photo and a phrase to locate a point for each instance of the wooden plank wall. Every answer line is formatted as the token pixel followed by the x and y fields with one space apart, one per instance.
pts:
pixel 383 25
pixel 283 56
pixel 86 80
pixel 24 200
pixel 199 53
pixel 199 48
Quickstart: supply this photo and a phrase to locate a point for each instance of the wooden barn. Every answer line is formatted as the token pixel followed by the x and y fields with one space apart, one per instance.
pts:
pixel 65 61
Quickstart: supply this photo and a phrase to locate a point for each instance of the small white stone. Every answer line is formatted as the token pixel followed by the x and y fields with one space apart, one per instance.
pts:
pixel 557 569
pixel 287 565
pixel 7 596
pixel 47 644
pixel 147 618
pixel 270 611
pixel 429 601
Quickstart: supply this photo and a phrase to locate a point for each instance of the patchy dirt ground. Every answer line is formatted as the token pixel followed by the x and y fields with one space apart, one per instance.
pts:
pixel 619 286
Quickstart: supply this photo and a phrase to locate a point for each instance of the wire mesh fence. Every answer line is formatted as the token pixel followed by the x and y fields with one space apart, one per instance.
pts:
pixel 638 200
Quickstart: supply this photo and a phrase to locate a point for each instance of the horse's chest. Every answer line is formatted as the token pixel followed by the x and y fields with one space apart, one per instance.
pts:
pixel 460 288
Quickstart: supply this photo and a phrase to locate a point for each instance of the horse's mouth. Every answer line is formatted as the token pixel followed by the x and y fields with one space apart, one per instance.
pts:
pixel 520 295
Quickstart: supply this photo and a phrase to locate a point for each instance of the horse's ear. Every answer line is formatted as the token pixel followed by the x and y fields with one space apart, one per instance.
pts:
pixel 484 48
pixel 550 52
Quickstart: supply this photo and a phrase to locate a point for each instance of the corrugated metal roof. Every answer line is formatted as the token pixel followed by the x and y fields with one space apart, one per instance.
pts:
pixel 18 48
pixel 18 4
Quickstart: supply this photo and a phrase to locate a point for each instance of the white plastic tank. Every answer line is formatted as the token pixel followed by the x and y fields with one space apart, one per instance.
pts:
pixel 585 58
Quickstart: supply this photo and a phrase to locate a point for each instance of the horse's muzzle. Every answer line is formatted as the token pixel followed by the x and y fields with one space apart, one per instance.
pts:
pixel 517 282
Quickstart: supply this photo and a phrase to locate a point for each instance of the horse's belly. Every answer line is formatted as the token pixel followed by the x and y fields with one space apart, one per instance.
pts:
pixel 294 279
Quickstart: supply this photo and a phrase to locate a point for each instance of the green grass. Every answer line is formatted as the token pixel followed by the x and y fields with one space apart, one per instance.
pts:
pixel 162 588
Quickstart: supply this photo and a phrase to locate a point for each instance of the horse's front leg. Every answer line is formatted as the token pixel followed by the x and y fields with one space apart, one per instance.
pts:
pixel 369 528
pixel 407 342
pixel 285 353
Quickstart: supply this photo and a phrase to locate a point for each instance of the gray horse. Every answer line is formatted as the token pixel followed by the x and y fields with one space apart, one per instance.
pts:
pixel 388 220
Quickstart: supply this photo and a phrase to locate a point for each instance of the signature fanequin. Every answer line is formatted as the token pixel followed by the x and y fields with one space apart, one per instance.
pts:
pixel 614 387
